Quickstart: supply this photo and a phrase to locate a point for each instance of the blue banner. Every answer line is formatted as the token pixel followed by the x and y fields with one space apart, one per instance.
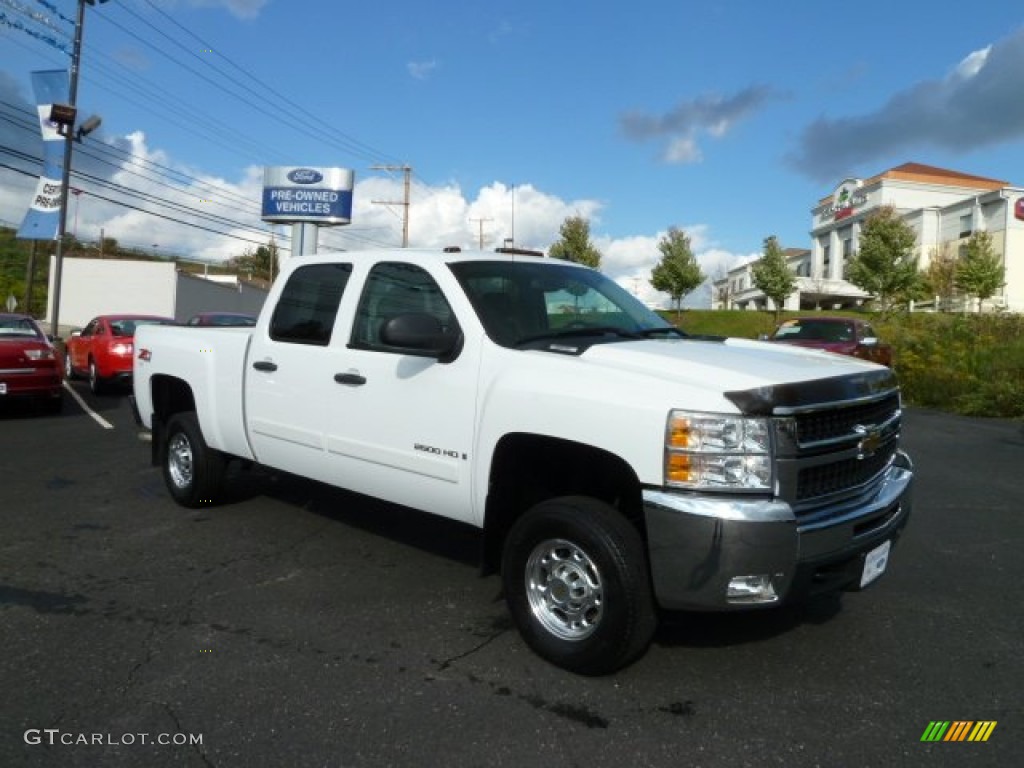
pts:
pixel 51 86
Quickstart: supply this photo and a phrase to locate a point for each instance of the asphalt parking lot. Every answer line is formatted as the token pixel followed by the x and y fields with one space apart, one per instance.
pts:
pixel 303 626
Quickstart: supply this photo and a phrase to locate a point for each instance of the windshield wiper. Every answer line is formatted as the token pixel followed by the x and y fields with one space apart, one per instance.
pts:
pixel 571 333
pixel 648 332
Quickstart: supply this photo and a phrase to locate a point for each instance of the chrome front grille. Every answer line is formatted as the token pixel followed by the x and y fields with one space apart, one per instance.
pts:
pixel 836 477
pixel 834 451
pixel 839 422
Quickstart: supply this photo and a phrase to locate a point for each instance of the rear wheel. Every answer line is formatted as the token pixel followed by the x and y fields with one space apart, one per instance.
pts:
pixel 193 472
pixel 575 577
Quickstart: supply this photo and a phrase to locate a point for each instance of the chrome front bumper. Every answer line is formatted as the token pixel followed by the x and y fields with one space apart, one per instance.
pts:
pixel 698 544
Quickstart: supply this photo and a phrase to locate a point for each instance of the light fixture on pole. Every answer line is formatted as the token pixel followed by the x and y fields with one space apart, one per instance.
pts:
pixel 63 112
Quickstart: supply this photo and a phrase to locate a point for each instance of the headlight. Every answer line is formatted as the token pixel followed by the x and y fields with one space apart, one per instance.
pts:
pixel 717 451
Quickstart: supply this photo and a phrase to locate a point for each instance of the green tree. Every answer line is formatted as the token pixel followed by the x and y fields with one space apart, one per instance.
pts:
pixel 772 275
pixel 885 264
pixel 678 272
pixel 261 263
pixel 575 244
pixel 938 280
pixel 979 271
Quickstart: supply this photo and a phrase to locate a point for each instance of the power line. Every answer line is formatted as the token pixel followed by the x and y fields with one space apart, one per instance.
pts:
pixel 407 172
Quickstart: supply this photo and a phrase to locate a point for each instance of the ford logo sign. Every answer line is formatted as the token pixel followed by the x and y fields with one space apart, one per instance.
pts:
pixel 305 176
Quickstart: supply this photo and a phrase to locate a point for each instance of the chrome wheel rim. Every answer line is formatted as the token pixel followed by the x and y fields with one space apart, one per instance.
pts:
pixel 563 586
pixel 179 461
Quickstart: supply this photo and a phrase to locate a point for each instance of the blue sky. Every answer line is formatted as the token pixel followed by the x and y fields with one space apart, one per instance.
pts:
pixel 728 119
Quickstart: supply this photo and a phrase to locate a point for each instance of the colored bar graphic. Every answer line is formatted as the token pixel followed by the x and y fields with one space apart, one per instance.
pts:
pixel 959 730
pixel 982 730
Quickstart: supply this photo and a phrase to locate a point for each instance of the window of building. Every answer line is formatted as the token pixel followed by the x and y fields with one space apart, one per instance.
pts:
pixel 826 258
pixel 966 225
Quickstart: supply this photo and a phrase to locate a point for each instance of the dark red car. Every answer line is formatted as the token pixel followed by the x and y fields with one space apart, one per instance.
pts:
pixel 223 319
pixel 102 350
pixel 844 335
pixel 30 365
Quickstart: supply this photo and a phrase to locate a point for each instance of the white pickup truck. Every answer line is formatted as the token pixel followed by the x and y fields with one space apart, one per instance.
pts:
pixel 615 466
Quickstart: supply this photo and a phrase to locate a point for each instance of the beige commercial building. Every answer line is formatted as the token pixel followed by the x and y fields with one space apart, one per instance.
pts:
pixel 942 207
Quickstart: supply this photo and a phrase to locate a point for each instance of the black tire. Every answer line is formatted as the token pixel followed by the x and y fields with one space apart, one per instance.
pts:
pixel 576 582
pixel 69 371
pixel 193 472
pixel 96 383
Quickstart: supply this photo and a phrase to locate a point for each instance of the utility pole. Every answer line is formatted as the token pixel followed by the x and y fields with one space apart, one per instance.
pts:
pixel 407 170
pixel 481 222
pixel 69 139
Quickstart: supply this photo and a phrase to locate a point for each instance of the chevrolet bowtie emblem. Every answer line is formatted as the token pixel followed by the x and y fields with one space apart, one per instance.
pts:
pixel 870 440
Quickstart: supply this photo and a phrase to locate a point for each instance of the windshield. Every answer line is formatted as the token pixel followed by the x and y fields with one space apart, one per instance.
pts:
pixel 815 330
pixel 126 326
pixel 522 301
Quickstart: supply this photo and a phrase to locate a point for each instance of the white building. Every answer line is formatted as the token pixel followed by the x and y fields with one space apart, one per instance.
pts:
pixel 91 287
pixel 942 207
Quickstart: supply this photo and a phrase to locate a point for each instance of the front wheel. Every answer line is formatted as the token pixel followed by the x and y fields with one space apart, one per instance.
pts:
pixel 575 577
pixel 193 472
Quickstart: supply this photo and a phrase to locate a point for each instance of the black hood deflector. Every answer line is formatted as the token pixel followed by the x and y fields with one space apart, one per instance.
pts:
pixel 783 399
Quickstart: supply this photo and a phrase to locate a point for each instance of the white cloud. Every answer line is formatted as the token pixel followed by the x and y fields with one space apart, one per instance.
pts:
pixel 972 63
pixel 682 151
pixel 439 215
pixel 421 70
pixel 243 9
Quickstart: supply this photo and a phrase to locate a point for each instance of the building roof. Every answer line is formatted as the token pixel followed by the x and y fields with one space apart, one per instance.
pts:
pixel 929 174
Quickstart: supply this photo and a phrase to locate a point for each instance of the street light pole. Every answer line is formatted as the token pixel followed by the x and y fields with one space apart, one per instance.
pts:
pixel 76 57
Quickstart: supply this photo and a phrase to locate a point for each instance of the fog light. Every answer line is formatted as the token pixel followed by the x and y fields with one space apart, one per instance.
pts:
pixel 751 589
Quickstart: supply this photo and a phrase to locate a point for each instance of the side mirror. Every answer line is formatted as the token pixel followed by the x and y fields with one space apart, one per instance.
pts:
pixel 422 335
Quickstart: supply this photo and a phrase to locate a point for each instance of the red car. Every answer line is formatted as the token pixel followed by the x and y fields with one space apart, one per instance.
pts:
pixel 102 350
pixel 29 363
pixel 844 335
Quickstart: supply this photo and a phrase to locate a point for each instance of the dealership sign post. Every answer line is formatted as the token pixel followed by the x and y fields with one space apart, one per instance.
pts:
pixel 307 198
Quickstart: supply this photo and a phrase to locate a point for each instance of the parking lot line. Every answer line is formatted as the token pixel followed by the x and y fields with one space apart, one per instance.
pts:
pixel 96 417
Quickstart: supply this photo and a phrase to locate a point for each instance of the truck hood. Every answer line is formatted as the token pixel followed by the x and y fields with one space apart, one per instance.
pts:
pixel 756 376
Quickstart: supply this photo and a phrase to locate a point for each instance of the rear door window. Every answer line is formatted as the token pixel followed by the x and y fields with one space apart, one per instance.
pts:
pixel 308 306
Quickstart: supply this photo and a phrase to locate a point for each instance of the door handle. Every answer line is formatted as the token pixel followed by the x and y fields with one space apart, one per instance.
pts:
pixel 264 365
pixel 354 379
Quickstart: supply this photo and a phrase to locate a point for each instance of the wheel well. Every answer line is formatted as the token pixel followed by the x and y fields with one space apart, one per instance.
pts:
pixel 170 395
pixel 526 469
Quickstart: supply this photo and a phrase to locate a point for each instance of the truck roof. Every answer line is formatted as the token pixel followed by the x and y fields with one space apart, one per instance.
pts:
pixel 437 255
